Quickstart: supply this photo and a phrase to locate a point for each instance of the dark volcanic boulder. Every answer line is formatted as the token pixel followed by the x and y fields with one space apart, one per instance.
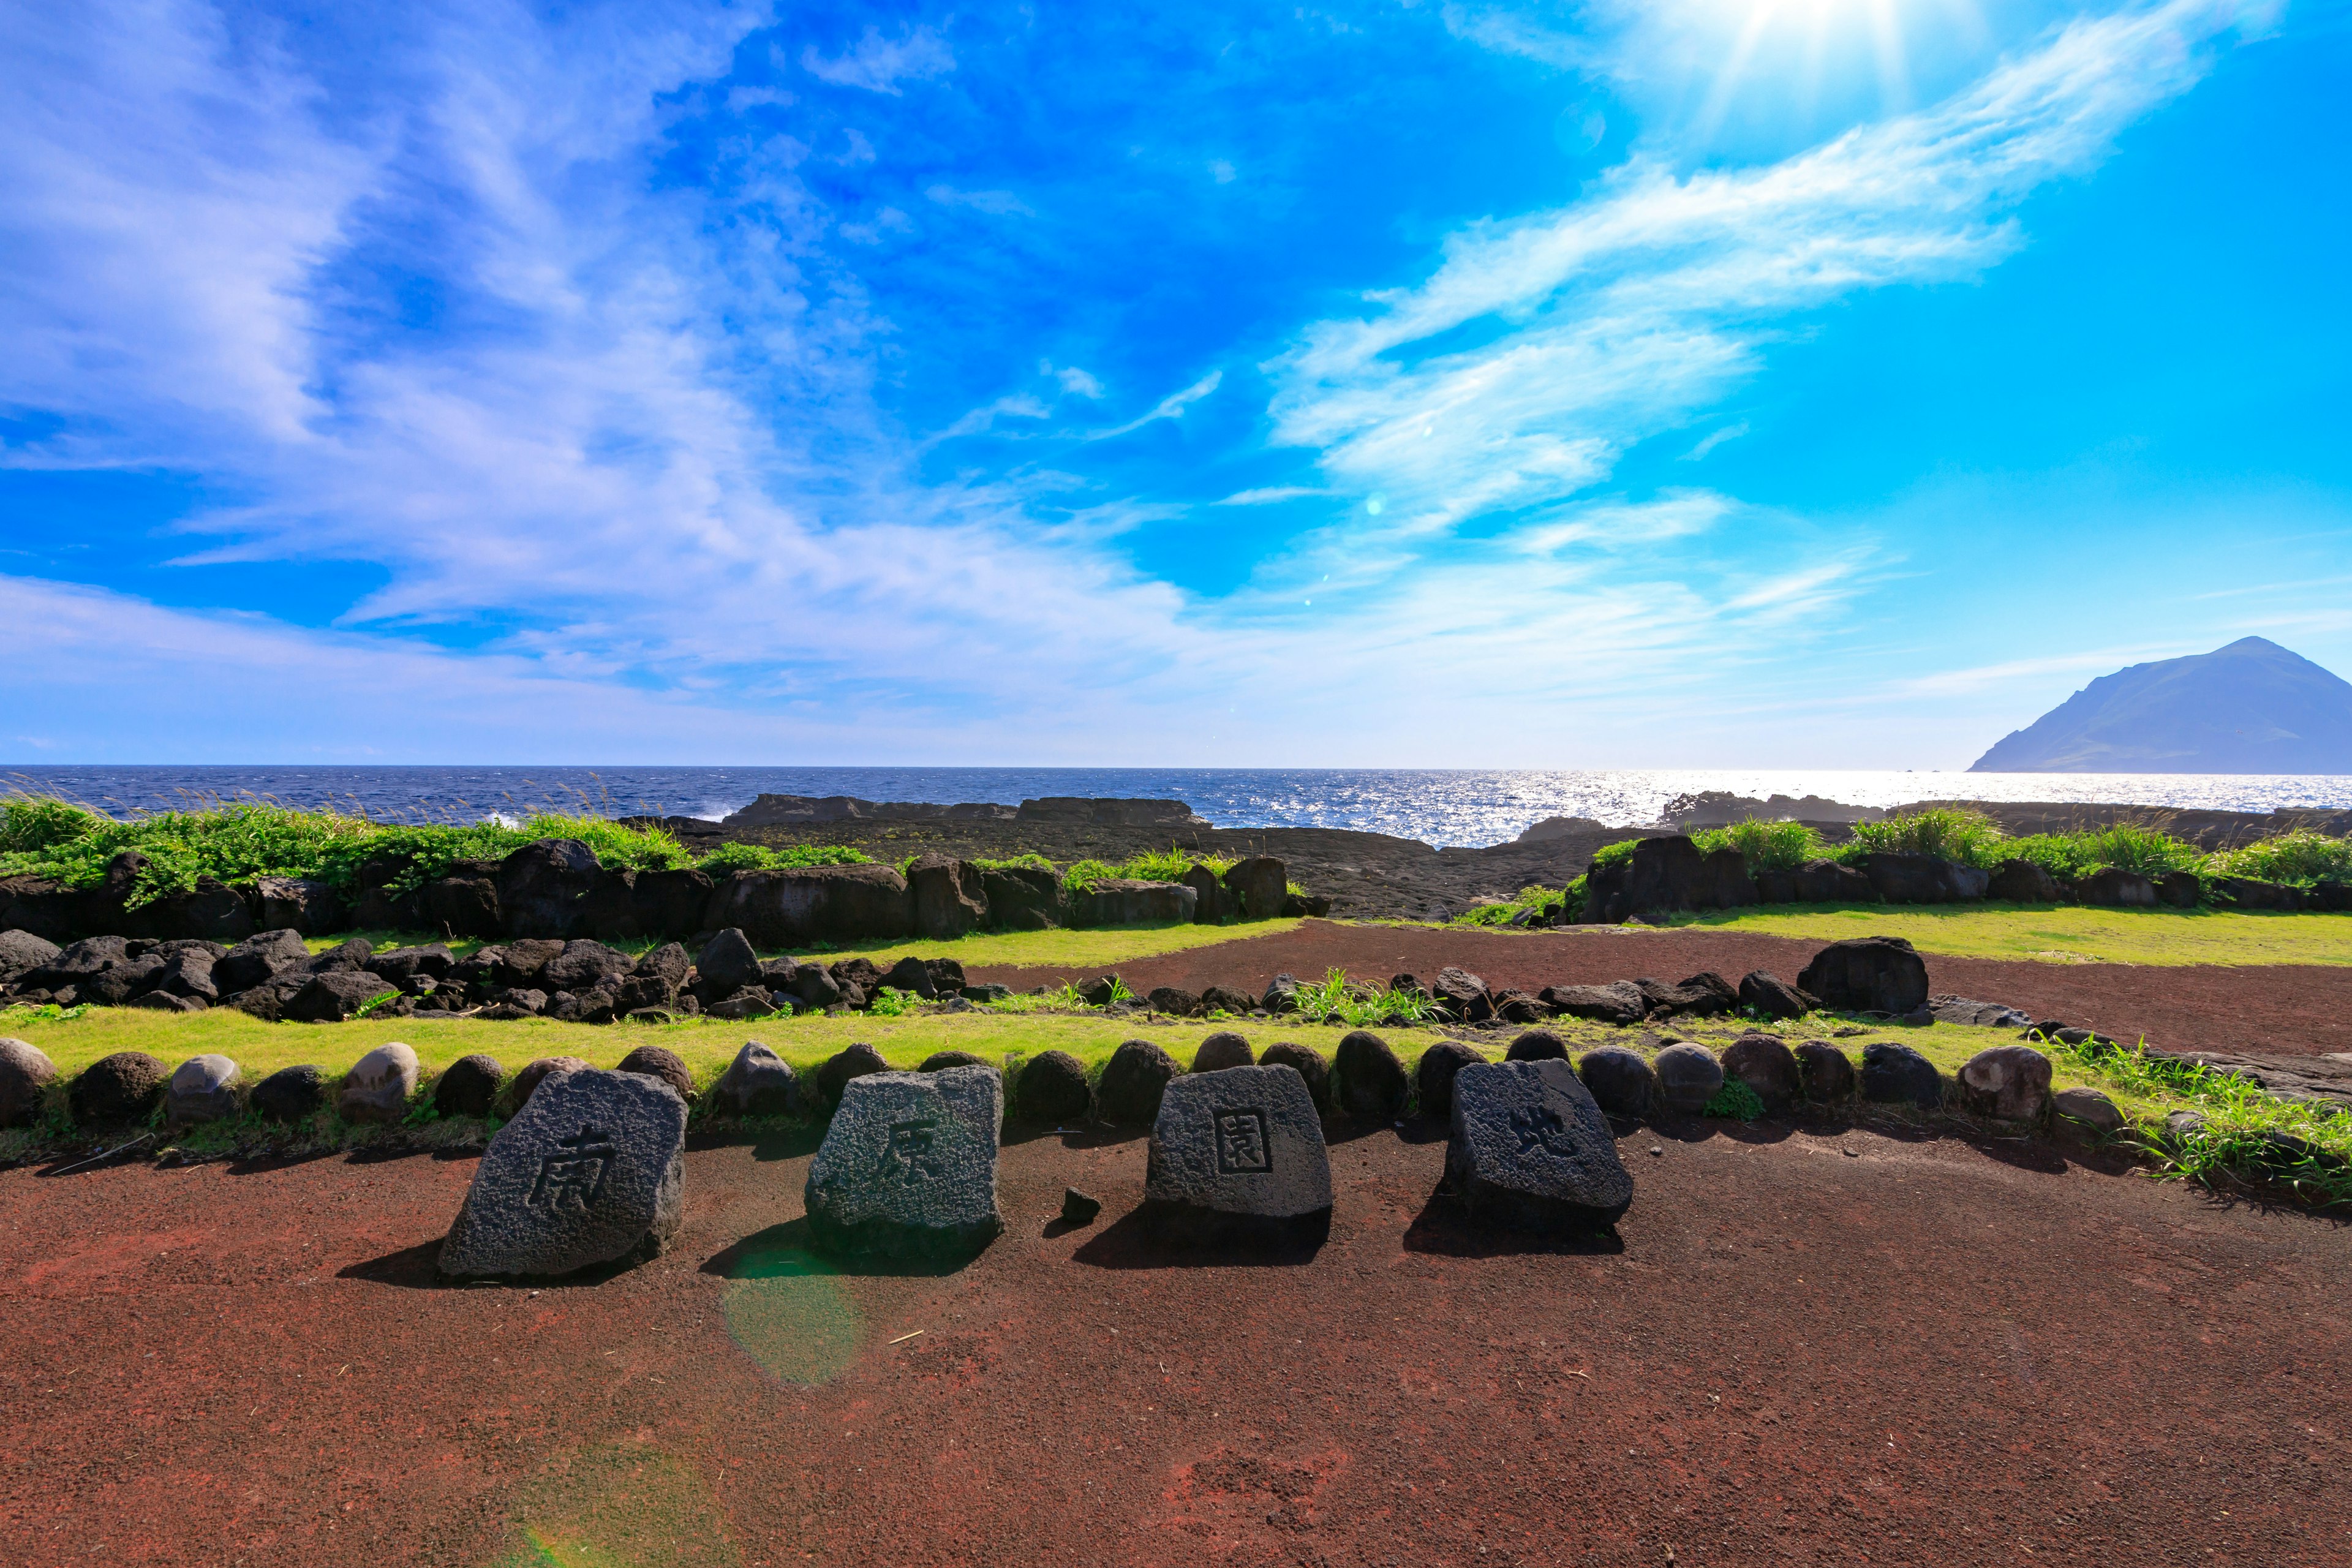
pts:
pixel 295 903
pixel 1225 999
pixel 1172 1000
pixel 289 1094
pixel 654 1061
pixel 523 962
pixel 1023 898
pixel 39 907
pixel 758 1082
pixel 1433 1077
pixel 946 975
pixel 2176 890
pixel 949 897
pixel 1867 974
pixel 118 1091
pixel 1211 905
pixel 1766 1065
pixel 908 1167
pixel 462 906
pixel 1530 1151
pixel 1463 996
pixel 1815 882
pixel 914 977
pixel 833 1075
pixel 1136 1077
pixel 862 975
pixel 585 965
pixel 469 1087
pixel 668 903
pixel 1769 996
pixel 1237 1157
pixel 119 983
pixel 208 1087
pixel 2017 882
pixel 544 887
pixel 815 989
pixel 1667 873
pixel 262 956
pixel 1688 1077
pixel 1258 887
pixel 1051 1087
pixel 526 1083
pixel 1223 1049
pixel 2010 1082
pixel 1367 1079
pixel 2111 886
pixel 1712 995
pixel 1281 994
pixel 402 964
pixel 1620 1002
pixel 1902 878
pixel 2250 893
pixel 353 954
pixel 1122 902
pixel 941 1061
pixel 812 904
pixel 1827 1072
pixel 1536 1046
pixel 1893 1074
pixel 335 997
pixel 21 952
pixel 26 1074
pixel 1306 1063
pixel 727 964
pixel 1621 1081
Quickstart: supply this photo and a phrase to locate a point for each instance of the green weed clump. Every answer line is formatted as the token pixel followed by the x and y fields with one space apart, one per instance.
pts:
pixel 1735 1101
pixel 1151 866
pixel 2300 859
pixel 1768 846
pixel 239 843
pixel 2125 845
pixel 1544 901
pixel 1613 854
pixel 1334 999
pixel 1029 861
pixel 1949 833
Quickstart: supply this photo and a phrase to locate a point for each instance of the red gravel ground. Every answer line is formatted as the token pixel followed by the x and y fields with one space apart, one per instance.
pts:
pixel 2278 1010
pixel 1808 1348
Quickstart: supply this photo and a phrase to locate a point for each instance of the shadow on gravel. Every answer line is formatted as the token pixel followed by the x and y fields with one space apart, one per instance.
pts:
pixel 1340 1130
pixel 1132 1241
pixel 384 1156
pixel 1423 1130
pixel 1097 1136
pixel 411 1269
pixel 787 1249
pixel 263 1163
pixel 1442 1230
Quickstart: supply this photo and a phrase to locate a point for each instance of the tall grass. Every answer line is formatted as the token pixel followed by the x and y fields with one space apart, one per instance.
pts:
pixel 1768 846
pixel 2298 858
pixel 1335 999
pixel 1167 865
pixel 2143 851
pixel 1949 833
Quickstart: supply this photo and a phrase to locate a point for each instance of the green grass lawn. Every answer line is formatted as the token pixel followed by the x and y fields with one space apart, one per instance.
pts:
pixel 2060 933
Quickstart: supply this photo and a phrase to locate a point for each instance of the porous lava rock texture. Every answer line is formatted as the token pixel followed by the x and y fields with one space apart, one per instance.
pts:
pixel 1895 1074
pixel 203 1088
pixel 758 1082
pixel 1618 1002
pixel 1688 1077
pixel 1222 1050
pixel 1867 974
pixel 1767 995
pixel 833 1075
pixel 658 1061
pixel 290 1094
pixel 942 1061
pixel 1766 1065
pixel 1052 1090
pixel 1620 1081
pixel 1134 1078
pixel 908 1169
pixel 590 1173
pixel 2009 1083
pixel 470 1086
pixel 1307 1063
pixel 1434 1075
pixel 1237 1157
pixel 1536 1046
pixel 1826 1072
pixel 119 1090
pixel 1368 1082
pixel 1530 1150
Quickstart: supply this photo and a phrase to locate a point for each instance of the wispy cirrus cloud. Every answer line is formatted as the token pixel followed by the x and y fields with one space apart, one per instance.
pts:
pixel 879 64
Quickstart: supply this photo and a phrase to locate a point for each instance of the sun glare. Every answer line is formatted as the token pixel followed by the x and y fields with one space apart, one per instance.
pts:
pixel 1811 48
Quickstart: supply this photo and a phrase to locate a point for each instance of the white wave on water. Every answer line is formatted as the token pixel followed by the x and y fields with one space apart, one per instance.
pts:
pixel 1442 807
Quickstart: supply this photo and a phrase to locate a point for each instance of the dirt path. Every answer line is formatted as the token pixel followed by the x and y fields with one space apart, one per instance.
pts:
pixel 2281 1010
pixel 1920 1353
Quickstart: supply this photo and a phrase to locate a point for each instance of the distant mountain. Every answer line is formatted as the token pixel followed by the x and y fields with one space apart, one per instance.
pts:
pixel 2249 708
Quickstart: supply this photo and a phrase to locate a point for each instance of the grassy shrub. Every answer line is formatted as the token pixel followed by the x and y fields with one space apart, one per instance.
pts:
pixel 1151 866
pixel 239 843
pixel 1946 832
pixel 1031 861
pixel 1334 1000
pixel 1613 854
pixel 1544 901
pixel 2300 859
pixel 2125 845
pixel 1767 845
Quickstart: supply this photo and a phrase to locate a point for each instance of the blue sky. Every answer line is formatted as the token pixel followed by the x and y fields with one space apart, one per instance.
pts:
pixel 1828 382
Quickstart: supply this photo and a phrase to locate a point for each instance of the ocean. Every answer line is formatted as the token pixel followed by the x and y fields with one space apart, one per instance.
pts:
pixel 1470 807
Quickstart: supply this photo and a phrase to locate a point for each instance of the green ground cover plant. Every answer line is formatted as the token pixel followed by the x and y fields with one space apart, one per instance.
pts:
pixel 2056 933
pixel 1767 845
pixel 1150 866
pixel 1949 833
pixel 240 842
pixel 2300 859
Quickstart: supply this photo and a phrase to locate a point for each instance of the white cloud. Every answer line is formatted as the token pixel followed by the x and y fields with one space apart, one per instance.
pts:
pixel 1001 204
pixel 1171 406
pixel 1075 382
pixel 1619 317
pixel 1713 439
pixel 879 64
pixel 1269 494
